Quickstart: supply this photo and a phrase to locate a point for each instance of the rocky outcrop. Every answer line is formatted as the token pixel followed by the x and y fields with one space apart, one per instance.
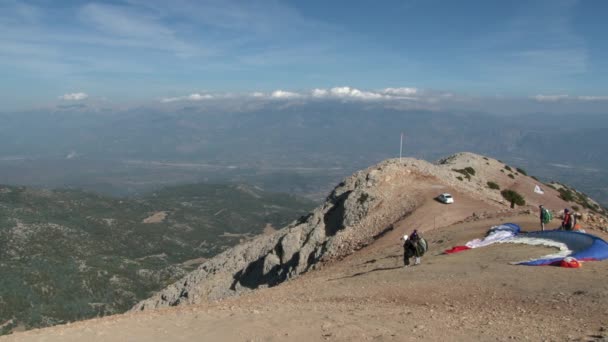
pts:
pixel 360 209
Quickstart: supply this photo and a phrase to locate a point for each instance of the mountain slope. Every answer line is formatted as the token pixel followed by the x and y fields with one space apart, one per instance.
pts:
pixel 362 292
pixel 360 209
pixel 69 255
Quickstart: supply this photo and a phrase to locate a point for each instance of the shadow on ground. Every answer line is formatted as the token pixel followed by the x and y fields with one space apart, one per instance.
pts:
pixel 367 272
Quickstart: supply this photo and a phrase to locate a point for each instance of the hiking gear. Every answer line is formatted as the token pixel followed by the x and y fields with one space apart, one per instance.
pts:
pixel 567 222
pixel 405 237
pixel 568 262
pixel 456 249
pixel 577 245
pixel 546 215
pixel 423 245
pixel 496 234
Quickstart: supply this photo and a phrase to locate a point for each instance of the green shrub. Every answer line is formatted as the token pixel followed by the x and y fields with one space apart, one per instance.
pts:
pixel 362 198
pixel 514 197
pixel 566 194
pixel 467 172
pixel 501 170
pixel 493 185
pixel 486 158
pixel 460 178
pixel 575 208
pixel 533 177
pixel 508 168
pixel 522 171
pixel 511 176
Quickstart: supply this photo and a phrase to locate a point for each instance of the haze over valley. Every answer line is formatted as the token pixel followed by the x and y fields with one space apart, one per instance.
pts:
pixel 300 147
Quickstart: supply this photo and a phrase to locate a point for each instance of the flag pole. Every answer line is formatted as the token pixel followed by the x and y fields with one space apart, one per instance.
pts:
pixel 401 147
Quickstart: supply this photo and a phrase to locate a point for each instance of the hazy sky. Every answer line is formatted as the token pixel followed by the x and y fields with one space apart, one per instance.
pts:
pixel 54 51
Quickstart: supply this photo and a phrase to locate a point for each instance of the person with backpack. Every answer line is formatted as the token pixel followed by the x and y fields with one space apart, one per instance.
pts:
pixel 567 223
pixel 545 216
pixel 413 246
pixel 542 217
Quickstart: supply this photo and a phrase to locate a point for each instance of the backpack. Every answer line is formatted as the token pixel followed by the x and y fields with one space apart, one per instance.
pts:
pixel 547 216
pixel 570 224
pixel 424 245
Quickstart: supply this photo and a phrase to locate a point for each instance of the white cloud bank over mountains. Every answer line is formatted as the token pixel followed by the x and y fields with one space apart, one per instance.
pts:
pixel 339 93
pixel 561 97
pixel 191 97
pixel 398 98
pixel 74 96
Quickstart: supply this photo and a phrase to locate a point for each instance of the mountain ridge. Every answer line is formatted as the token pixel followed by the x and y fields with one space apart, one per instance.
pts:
pixel 359 288
pixel 359 210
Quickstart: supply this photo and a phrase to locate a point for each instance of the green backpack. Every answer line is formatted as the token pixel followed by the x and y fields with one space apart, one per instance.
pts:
pixel 547 215
pixel 424 245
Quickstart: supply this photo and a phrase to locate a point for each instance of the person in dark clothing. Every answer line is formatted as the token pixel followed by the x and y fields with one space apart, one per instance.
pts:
pixel 567 221
pixel 543 217
pixel 412 248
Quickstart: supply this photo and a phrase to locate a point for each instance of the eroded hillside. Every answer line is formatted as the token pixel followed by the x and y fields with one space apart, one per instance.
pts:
pixel 360 210
pixel 69 255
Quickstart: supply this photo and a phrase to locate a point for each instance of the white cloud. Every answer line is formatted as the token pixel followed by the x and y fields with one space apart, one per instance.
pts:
pixel 198 97
pixel 555 98
pixel 550 98
pixel 339 93
pixel 282 94
pixel 319 92
pixel 170 99
pixel 358 94
pixel 401 91
pixel 191 97
pixel 73 96
pixel 592 98
pixel 125 25
pixel 348 92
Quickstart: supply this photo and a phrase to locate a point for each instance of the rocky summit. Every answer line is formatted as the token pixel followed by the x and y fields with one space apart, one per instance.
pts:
pixel 337 273
pixel 358 211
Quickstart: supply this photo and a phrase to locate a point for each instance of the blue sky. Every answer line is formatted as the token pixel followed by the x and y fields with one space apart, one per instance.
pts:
pixel 139 51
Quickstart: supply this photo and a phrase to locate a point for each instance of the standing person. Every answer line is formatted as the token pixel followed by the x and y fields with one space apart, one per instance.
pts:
pixel 412 248
pixel 407 250
pixel 567 221
pixel 543 217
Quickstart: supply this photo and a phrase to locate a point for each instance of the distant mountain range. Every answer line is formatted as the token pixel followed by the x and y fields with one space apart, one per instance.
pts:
pixel 67 255
pixel 317 143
